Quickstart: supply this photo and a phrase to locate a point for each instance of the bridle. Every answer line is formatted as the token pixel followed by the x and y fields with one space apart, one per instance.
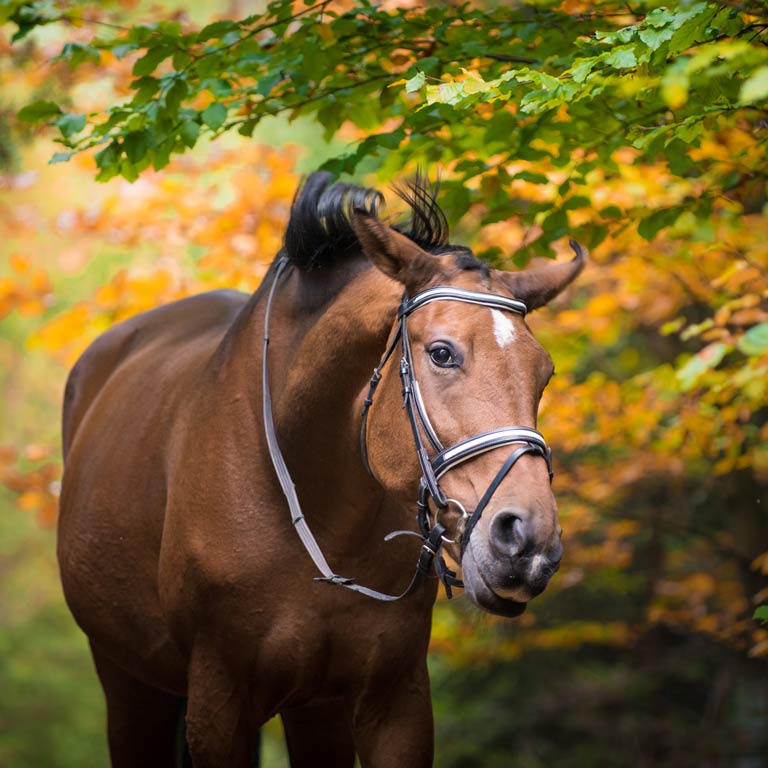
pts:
pixel 432 534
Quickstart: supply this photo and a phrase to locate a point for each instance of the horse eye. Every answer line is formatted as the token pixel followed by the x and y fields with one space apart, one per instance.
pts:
pixel 443 357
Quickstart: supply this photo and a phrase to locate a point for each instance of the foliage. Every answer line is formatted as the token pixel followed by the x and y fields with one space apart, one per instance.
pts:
pixel 653 705
pixel 482 89
pixel 48 717
pixel 639 130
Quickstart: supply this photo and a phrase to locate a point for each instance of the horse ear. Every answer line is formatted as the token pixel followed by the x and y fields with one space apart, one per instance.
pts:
pixel 538 286
pixel 393 253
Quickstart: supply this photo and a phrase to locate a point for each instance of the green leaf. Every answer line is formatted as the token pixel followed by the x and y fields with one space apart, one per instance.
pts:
pixel 107 161
pixel 217 29
pixel 122 50
pixel 147 64
pixel 555 225
pixel 415 83
pixel 146 88
pixel 654 38
pixel 693 30
pixel 445 93
pixel 611 212
pixel 331 115
pixel 622 57
pixel 176 94
pixel 756 87
pixel 576 202
pixel 599 233
pixel 755 340
pixel 126 169
pixel 136 145
pixel 70 123
pixel 161 155
pixel 703 361
pixel 247 128
pixel 27 15
pixel 218 86
pixel 761 613
pixel 60 157
pixel 533 178
pixel 677 157
pixel 645 140
pixel 651 225
pixel 180 60
pixel 431 65
pixel 214 115
pixel 189 131
pixel 268 82
pixel 673 326
pixel 582 68
pixel 78 53
pixel 39 111
pixel 500 127
pixel 455 200
pixel 391 140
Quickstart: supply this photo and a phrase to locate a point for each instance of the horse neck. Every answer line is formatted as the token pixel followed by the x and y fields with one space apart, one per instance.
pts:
pixel 327 334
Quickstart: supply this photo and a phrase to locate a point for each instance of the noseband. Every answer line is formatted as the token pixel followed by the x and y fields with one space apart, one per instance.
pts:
pixel 528 440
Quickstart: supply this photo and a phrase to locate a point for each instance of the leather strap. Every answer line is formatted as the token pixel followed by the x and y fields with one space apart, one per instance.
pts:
pixel 368 401
pixel 449 292
pixel 432 543
pixel 488 441
pixel 491 489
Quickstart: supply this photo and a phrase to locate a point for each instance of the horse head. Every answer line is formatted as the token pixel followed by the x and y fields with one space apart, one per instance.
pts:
pixel 473 368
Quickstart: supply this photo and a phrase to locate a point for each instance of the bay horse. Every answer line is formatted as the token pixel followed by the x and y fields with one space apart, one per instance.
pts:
pixel 224 451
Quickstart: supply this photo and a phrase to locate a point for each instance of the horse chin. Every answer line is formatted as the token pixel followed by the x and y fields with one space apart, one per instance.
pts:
pixel 500 606
pixel 482 595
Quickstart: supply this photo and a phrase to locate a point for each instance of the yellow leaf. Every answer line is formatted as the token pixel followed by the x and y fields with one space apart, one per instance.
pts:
pixel 20 264
pixel 674 88
pixel 30 500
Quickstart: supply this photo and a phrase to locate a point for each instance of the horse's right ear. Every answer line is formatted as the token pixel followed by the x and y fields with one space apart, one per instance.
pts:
pixel 393 253
pixel 538 286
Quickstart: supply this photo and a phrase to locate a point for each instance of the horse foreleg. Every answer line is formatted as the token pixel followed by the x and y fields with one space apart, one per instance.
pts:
pixel 319 735
pixel 221 732
pixel 394 727
pixel 141 720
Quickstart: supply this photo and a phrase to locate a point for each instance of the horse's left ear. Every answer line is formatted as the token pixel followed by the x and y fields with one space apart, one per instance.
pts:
pixel 538 286
pixel 393 253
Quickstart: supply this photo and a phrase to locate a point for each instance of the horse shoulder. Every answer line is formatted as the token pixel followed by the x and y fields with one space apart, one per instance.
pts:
pixel 159 332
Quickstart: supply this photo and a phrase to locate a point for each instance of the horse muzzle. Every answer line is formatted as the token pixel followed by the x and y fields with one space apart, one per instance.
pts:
pixel 507 567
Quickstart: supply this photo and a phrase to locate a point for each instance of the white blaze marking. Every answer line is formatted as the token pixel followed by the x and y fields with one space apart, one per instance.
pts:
pixel 503 329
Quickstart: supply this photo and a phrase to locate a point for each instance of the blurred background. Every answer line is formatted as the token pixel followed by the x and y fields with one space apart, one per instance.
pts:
pixel 643 651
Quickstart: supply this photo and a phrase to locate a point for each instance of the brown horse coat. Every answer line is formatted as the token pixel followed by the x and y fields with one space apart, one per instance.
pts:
pixel 177 554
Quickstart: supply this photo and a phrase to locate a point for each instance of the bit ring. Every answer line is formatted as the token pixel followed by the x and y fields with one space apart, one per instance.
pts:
pixel 460 525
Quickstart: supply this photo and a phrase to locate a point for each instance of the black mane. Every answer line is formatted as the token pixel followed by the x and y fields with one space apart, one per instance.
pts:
pixel 320 234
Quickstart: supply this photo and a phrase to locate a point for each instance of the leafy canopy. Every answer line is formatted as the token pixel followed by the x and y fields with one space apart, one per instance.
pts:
pixel 472 88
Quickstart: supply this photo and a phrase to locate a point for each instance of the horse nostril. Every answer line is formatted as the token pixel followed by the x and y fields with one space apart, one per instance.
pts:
pixel 510 533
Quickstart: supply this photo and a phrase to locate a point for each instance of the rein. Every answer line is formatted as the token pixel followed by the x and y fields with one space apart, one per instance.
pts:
pixel 433 536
